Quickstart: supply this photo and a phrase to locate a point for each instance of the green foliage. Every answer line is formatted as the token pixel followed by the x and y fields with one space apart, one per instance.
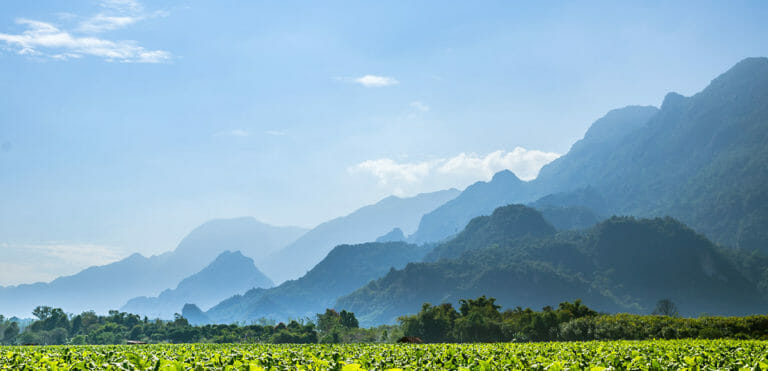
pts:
pixel 343 327
pixel 480 320
pixel 506 225
pixel 118 327
pixel 592 356
pixel 622 264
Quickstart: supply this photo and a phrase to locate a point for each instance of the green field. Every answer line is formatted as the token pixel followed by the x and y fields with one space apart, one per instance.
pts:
pixel 619 355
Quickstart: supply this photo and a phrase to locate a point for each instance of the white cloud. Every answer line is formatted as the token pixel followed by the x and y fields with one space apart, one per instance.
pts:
pixel 420 106
pixel 373 81
pixel 46 40
pixel 126 6
pixel 458 171
pixel 233 133
pixel 28 263
pixel 102 23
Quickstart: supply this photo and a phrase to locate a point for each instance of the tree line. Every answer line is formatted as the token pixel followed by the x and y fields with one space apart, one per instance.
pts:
pixel 475 320
pixel 480 320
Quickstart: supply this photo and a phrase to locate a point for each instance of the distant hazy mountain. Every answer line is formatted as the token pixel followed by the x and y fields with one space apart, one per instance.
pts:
pixel 229 274
pixel 364 225
pixel 109 286
pixel 254 239
pixel 480 198
pixel 194 315
pixel 700 159
pixel 346 268
pixel 393 236
pixel 622 264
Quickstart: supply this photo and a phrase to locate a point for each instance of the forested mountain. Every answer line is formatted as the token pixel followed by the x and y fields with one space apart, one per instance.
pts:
pixel 621 264
pixel 480 198
pixel 364 225
pixel 110 286
pixel 346 268
pixel 229 274
pixel 503 227
pixel 701 159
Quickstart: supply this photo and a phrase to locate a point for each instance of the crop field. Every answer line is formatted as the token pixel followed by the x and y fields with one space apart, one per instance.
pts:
pixel 593 356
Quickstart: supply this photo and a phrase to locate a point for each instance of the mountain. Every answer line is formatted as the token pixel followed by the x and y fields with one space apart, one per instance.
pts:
pixel 503 227
pixel 346 268
pixel 569 217
pixel 229 274
pixel 110 286
pixel 580 167
pixel 480 198
pixel 622 264
pixel 701 159
pixel 254 239
pixel 363 225
pixel 392 236
pixel 194 315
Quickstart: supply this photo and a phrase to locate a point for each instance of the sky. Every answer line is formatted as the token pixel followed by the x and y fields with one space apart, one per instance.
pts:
pixel 126 123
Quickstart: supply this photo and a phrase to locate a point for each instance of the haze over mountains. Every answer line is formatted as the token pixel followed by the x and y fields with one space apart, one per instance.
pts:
pixel 140 279
pixel 363 225
pixel 346 268
pixel 701 160
pixel 620 265
pixel 229 274
pixel 107 287
pixel 679 160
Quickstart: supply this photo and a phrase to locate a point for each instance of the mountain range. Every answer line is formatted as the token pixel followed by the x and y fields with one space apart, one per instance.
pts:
pixel 278 252
pixel 688 177
pixel 102 288
pixel 229 274
pixel 701 159
pixel 622 264
pixel 346 268
pixel 363 225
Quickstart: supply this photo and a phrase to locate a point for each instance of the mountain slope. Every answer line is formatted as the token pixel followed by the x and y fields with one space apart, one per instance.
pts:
pixel 622 264
pixel 478 199
pixel 346 268
pixel 503 227
pixel 701 159
pixel 254 239
pixel 229 274
pixel 110 286
pixel 364 225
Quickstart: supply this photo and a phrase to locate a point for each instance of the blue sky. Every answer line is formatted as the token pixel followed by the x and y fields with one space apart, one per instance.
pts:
pixel 124 124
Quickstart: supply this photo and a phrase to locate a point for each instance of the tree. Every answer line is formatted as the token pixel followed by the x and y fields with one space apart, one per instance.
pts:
pixel 432 324
pixel 42 312
pixel 486 307
pixel 576 309
pixel 348 319
pixel 665 307
pixel 10 333
pixel 328 320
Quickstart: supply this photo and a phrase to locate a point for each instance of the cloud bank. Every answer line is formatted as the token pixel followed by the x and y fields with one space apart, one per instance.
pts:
pixel 373 81
pixel 455 172
pixel 45 40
